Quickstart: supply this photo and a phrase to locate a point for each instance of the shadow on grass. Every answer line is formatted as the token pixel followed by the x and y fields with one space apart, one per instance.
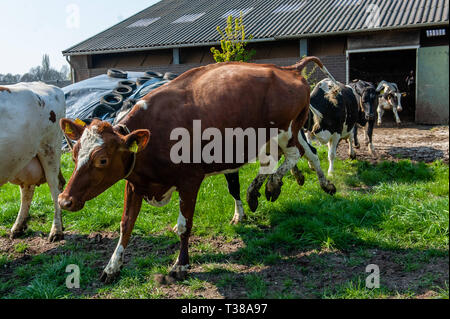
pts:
pixel 422 153
pixel 312 247
pixel 387 172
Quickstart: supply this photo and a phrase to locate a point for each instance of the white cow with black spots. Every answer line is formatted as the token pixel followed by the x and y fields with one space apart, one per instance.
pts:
pixel 30 146
pixel 389 98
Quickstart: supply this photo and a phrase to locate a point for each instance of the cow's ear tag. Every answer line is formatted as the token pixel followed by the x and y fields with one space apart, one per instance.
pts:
pixel 68 129
pixel 134 148
pixel 80 122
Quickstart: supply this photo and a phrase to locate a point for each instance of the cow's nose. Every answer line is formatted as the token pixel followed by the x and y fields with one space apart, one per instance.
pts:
pixel 65 203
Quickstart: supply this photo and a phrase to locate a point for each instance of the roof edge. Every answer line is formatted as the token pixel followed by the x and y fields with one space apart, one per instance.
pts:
pixel 287 37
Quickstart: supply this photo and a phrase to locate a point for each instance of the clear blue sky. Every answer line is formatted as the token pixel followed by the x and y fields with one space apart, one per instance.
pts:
pixel 32 28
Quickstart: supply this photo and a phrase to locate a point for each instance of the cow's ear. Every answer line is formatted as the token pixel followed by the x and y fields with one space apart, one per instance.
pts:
pixel 137 141
pixel 73 129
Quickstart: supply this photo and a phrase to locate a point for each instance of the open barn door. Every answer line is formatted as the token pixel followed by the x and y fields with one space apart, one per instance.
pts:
pixel 391 64
pixel 432 105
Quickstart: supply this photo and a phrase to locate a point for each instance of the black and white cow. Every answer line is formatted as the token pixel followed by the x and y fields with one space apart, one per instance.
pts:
pixel 367 98
pixel 334 113
pixel 389 99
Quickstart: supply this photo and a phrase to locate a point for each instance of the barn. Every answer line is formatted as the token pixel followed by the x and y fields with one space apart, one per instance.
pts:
pixel 372 40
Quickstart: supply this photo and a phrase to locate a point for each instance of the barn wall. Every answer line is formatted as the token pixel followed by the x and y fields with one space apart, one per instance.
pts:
pixel 384 39
pixel 330 50
pixel 432 85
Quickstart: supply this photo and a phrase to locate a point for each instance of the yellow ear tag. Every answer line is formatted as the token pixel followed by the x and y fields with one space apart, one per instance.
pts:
pixel 80 122
pixel 68 129
pixel 134 148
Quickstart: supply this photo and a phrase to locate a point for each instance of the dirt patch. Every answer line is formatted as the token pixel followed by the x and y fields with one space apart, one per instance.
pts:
pixel 304 274
pixel 409 141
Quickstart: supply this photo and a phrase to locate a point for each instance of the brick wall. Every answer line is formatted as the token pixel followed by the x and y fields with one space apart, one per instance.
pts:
pixel 335 64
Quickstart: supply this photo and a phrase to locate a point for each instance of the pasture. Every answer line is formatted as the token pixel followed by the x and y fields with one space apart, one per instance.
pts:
pixel 394 214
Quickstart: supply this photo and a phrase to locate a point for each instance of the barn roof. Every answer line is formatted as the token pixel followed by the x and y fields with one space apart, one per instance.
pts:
pixel 185 23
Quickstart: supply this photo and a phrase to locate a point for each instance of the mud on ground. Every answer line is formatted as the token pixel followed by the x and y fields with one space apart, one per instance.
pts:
pixel 304 274
pixel 408 141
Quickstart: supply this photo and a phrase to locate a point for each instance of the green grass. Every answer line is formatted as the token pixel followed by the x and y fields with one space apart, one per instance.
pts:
pixel 392 206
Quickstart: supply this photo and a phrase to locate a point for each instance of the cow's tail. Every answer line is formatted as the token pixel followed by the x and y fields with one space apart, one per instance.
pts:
pixel 303 62
pixel 317 118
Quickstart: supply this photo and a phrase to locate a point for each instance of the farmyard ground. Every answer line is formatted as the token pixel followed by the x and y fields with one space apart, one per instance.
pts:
pixel 389 211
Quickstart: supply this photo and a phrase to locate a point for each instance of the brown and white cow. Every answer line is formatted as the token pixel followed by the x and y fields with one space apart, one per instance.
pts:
pixel 139 149
pixel 30 145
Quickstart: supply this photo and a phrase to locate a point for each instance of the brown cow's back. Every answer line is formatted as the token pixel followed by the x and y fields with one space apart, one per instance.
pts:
pixel 224 95
pixel 227 95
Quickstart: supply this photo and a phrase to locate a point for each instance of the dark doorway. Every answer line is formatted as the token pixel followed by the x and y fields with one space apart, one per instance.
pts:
pixel 392 66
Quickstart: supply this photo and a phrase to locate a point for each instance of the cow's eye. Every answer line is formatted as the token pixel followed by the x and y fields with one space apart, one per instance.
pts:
pixel 102 162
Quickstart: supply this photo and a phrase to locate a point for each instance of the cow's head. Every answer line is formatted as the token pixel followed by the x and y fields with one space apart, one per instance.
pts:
pixel 102 155
pixel 393 100
pixel 369 103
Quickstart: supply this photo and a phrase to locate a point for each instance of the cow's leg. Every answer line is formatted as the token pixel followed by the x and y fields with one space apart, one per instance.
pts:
pixel 397 118
pixel 312 157
pixel 50 162
pixel 355 136
pixel 234 188
pixel 332 146
pixel 298 175
pixel 380 112
pixel 188 199
pixel 253 191
pixel 351 151
pixel 369 133
pixel 131 208
pixel 273 186
pixel 26 196
pixel 309 137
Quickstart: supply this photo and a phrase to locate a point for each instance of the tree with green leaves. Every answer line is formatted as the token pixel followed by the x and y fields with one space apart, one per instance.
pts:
pixel 233 42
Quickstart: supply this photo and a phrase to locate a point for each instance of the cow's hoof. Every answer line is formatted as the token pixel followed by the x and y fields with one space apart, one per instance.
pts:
pixel 273 189
pixel 17 232
pixel 237 220
pixel 329 188
pixel 179 230
pixel 357 146
pixel 353 156
pixel 162 280
pixel 109 278
pixel 252 200
pixel 178 273
pixel 55 236
pixel 300 178
pixel 174 276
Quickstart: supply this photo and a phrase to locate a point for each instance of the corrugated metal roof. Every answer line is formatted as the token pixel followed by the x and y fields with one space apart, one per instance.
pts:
pixel 154 27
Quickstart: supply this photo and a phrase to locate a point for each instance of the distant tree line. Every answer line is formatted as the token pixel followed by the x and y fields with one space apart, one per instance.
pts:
pixel 43 72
